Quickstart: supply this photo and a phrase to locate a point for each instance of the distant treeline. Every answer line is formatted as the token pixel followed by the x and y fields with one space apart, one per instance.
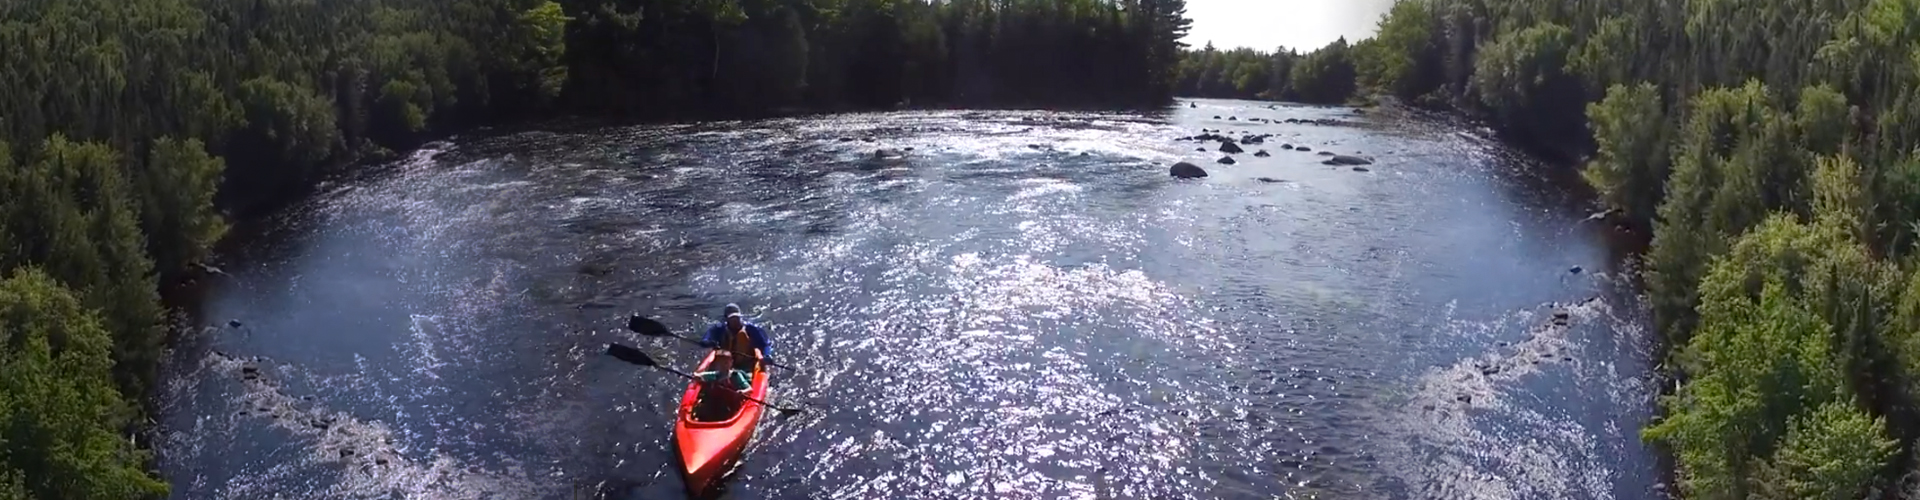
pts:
pixel 130 130
pixel 1324 76
pixel 1770 146
pixel 667 57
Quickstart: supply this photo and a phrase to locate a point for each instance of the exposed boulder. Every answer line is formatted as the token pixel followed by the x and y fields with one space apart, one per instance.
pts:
pixel 1227 160
pixel 1186 170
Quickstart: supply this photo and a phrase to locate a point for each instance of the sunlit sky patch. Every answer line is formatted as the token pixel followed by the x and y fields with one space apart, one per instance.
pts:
pixel 1268 24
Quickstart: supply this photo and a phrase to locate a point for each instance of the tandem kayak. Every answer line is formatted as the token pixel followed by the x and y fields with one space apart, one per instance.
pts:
pixel 708 448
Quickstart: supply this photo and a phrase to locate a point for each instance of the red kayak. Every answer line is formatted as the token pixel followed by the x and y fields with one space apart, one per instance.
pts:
pixel 709 448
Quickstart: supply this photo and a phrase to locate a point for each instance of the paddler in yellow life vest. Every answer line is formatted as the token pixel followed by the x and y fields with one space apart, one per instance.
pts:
pixel 733 358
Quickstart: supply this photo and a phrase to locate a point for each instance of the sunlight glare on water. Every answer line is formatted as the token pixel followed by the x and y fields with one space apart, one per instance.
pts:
pixel 1003 304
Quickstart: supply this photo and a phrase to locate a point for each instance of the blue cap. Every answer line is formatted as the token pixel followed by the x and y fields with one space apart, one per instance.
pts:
pixel 731 311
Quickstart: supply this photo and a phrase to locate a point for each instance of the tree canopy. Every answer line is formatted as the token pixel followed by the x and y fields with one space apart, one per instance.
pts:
pixel 131 131
pixel 1771 148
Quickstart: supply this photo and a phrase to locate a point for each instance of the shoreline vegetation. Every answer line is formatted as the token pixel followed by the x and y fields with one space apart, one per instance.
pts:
pixel 1770 147
pixel 133 133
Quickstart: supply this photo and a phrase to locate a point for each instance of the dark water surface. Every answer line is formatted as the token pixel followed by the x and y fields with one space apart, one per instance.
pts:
pixel 1023 306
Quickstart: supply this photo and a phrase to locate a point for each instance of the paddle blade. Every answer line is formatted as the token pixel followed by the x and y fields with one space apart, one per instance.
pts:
pixel 630 355
pixel 647 326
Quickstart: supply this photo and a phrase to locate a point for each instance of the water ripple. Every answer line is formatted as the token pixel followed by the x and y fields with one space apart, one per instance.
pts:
pixel 1001 304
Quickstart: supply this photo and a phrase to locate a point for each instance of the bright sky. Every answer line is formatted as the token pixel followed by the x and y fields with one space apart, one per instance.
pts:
pixel 1268 24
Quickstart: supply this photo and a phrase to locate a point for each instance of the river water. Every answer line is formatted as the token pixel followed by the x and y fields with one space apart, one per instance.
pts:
pixel 1022 305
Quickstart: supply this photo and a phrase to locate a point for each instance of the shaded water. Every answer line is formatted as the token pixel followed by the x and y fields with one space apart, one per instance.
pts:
pixel 1024 305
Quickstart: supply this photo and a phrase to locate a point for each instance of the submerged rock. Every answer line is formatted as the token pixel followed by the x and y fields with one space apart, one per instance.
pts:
pixel 1263 154
pixel 1348 160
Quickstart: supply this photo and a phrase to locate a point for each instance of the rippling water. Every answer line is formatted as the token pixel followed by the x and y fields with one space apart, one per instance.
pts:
pixel 1021 305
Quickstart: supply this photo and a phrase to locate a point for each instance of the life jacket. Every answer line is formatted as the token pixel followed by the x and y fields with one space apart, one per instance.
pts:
pixel 740 345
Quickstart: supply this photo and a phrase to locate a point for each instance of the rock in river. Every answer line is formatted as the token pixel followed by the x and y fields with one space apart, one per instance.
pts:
pixel 1231 148
pixel 1348 160
pixel 1227 160
pixel 1186 170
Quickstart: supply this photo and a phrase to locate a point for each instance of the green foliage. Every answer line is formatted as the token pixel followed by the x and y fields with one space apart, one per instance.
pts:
pixel 1521 79
pixel 297 123
pixel 1825 121
pixel 671 57
pixel 1403 58
pixel 1838 199
pixel 1324 76
pixel 1831 453
pixel 1630 126
pixel 542 42
pixel 1760 358
pixel 57 407
pixel 178 186
pixel 138 123
pixel 1607 57
pixel 11 485
pixel 70 212
pixel 1238 73
pixel 1720 122
pixel 1707 200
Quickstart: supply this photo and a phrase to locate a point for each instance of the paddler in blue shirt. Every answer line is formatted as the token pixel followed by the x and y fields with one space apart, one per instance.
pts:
pixel 723 336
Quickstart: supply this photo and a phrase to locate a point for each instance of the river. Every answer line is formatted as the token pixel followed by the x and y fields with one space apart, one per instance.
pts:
pixel 1023 304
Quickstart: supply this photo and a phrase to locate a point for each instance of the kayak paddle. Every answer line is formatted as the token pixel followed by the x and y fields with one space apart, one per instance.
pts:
pixel 647 326
pixel 631 355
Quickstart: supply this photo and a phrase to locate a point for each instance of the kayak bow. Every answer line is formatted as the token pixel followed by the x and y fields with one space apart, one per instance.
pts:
pixel 708 449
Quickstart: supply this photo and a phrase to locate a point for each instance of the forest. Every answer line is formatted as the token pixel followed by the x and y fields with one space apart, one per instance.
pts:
pixel 1325 76
pixel 1770 147
pixel 134 133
